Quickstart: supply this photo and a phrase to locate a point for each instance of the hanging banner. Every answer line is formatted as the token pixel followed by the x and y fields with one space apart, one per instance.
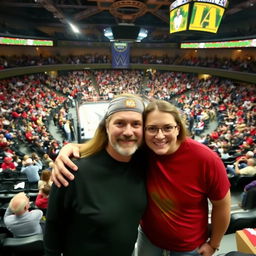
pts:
pixel 120 55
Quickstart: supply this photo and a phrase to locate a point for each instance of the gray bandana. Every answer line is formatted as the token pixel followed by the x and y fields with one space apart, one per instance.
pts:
pixel 125 104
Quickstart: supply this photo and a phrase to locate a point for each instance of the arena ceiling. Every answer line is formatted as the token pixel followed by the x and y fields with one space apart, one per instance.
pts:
pixel 49 18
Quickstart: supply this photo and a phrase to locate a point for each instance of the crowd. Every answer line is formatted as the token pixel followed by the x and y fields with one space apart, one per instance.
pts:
pixel 241 65
pixel 29 103
pixel 26 108
pixel 245 64
pixel 23 117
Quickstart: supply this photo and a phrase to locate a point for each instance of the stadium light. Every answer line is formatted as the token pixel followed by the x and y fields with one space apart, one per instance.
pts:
pixel 74 28
pixel 142 34
pixel 108 33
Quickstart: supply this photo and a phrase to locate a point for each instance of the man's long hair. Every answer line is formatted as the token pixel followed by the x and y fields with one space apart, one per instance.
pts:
pixel 100 138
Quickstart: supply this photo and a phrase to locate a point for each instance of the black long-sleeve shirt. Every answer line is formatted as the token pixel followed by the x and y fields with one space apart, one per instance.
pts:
pixel 99 212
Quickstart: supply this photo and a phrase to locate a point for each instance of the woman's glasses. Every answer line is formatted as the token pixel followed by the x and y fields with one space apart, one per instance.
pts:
pixel 166 129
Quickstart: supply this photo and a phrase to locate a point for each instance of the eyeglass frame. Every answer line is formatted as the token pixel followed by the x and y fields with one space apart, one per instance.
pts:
pixel 157 129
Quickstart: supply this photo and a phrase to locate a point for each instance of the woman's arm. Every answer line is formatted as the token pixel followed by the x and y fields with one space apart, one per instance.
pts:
pixel 219 223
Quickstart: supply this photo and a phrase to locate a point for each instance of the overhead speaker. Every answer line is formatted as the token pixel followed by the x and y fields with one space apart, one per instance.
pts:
pixel 125 32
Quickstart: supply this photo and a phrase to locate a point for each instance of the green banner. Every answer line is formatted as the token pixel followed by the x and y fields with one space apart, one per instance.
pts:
pixel 224 44
pixel 24 41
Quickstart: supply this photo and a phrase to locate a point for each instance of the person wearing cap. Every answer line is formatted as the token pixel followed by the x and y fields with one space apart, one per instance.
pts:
pixel 100 211
pixel 8 164
pixel 19 220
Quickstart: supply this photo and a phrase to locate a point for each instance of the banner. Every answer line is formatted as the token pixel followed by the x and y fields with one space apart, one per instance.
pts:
pixel 120 55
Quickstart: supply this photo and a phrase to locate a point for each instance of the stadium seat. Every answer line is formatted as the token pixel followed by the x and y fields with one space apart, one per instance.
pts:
pixel 238 182
pixel 249 201
pixel 241 220
pixel 234 253
pixel 31 245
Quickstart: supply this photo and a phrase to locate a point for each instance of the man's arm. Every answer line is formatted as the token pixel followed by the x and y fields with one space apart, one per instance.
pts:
pixel 220 219
pixel 237 169
pixel 23 168
pixel 8 212
pixel 60 173
pixel 39 164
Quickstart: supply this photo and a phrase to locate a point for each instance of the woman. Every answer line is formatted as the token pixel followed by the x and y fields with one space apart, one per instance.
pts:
pixel 183 174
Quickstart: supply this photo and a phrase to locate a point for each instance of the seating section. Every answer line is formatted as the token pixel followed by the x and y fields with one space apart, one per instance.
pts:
pixel 201 101
pixel 29 246
pixel 239 182
pixel 241 220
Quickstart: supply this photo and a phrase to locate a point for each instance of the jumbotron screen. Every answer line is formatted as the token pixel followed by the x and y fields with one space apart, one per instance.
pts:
pixel 197 15
pixel 179 18
pixel 206 17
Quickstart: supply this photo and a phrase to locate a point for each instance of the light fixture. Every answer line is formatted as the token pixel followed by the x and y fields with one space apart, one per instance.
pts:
pixel 108 33
pixel 143 33
pixel 74 28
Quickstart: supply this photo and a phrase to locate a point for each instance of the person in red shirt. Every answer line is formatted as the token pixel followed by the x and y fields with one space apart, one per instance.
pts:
pixel 8 164
pixel 42 197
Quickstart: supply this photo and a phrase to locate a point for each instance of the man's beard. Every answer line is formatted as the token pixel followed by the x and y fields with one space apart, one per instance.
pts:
pixel 125 151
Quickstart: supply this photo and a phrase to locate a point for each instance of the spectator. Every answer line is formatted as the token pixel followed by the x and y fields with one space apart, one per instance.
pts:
pixel 248 154
pixel 36 160
pixel 19 220
pixel 46 159
pixel 248 187
pixel 242 163
pixel 249 170
pixel 54 149
pixel 17 161
pixel 8 164
pixel 3 142
pixel 199 127
pixel 31 171
pixel 25 157
pixel 42 198
pixel 45 179
pixel 67 130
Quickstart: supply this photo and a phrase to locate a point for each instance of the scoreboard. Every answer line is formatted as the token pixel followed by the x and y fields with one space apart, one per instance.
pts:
pixel 197 15
pixel 206 17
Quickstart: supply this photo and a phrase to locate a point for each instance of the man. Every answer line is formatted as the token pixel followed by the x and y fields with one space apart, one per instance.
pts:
pixel 31 171
pixel 240 163
pixel 19 220
pixel 250 169
pixel 99 212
